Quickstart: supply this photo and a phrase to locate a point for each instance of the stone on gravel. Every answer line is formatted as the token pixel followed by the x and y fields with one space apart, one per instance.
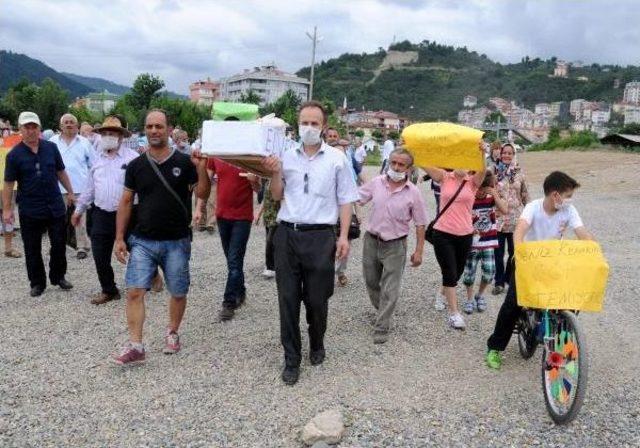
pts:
pixel 327 427
pixel 320 444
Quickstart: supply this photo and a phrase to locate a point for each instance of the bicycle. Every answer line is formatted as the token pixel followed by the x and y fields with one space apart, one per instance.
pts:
pixel 564 365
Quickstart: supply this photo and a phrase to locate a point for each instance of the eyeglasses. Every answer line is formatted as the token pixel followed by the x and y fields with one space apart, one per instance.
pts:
pixel 306 183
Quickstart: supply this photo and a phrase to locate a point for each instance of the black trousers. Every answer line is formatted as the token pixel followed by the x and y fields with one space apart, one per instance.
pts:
pixel 451 253
pixel 32 230
pixel 305 269
pixel 269 252
pixel 103 236
pixel 503 272
pixel 507 317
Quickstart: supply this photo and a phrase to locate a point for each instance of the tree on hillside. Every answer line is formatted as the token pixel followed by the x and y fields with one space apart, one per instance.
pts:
pixel 51 102
pixel 131 115
pixel 83 114
pixel 21 96
pixel 145 89
pixel 250 97
pixel 183 113
pixel 285 107
pixel 632 128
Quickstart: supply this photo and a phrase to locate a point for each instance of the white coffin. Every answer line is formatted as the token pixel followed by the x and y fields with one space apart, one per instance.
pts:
pixel 242 138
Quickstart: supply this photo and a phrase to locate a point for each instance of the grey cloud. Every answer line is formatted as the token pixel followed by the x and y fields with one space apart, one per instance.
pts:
pixel 117 40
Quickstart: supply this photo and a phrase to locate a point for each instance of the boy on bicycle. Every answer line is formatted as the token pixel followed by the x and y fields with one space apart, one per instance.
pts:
pixel 547 218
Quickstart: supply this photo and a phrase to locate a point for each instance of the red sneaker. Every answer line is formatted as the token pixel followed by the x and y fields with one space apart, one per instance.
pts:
pixel 171 343
pixel 129 356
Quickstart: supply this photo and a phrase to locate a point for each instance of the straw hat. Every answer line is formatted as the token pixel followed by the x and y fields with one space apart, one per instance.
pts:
pixel 112 123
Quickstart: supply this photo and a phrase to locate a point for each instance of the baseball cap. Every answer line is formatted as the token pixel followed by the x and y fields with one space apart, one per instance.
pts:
pixel 28 117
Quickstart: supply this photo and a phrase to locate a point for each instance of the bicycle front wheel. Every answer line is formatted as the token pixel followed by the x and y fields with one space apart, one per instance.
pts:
pixel 564 367
pixel 526 325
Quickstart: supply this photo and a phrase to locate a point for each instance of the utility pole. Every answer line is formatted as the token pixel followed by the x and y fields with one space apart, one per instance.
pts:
pixel 315 39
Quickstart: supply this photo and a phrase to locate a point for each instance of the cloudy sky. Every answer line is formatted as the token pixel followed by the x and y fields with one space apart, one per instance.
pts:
pixel 186 40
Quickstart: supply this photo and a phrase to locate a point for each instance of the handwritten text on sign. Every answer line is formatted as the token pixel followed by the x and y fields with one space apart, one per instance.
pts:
pixel 565 274
pixel 444 145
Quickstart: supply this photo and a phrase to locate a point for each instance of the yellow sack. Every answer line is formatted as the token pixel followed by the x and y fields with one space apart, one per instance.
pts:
pixel 561 275
pixel 444 145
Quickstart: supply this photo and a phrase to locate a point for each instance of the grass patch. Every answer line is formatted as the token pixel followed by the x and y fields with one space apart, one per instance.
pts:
pixel 582 140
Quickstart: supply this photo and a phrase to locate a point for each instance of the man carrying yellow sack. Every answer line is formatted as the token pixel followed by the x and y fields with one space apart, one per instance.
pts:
pixel 548 218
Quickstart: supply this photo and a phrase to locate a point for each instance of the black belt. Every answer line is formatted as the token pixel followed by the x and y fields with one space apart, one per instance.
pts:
pixel 376 237
pixel 306 227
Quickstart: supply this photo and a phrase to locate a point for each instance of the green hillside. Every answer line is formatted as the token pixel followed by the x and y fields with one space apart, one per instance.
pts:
pixel 433 87
pixel 98 84
pixel 14 67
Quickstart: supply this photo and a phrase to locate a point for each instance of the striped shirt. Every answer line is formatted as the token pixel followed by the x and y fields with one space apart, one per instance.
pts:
pixel 106 180
pixel 484 223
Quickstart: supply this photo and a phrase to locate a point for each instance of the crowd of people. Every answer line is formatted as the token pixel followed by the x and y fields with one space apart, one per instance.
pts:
pixel 133 196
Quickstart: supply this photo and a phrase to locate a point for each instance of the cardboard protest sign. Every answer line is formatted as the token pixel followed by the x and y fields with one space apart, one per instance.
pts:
pixel 444 145
pixel 561 275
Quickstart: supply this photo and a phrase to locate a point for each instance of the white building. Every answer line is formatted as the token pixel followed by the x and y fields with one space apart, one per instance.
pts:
pixel 632 93
pixel 631 115
pixel 561 70
pixel 474 118
pixel 470 101
pixel 541 108
pixel 575 106
pixel 267 81
pixel 600 117
pixel 99 102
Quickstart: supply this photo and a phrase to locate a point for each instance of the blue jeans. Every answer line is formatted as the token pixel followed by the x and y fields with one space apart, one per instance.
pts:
pixel 171 255
pixel 234 236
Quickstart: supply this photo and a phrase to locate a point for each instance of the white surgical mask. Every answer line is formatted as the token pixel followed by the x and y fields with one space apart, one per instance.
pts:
pixel 309 135
pixel 396 176
pixel 108 142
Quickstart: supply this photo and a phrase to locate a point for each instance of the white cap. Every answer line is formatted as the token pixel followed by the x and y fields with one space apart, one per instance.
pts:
pixel 28 117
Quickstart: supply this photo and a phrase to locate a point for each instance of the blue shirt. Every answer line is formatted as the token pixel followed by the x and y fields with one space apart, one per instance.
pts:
pixel 37 177
pixel 77 157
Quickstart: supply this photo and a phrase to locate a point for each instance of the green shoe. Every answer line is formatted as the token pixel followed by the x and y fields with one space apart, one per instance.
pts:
pixel 493 359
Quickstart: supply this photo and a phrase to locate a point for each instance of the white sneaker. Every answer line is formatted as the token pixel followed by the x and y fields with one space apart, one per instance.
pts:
pixel 457 321
pixel 440 303
pixel 267 273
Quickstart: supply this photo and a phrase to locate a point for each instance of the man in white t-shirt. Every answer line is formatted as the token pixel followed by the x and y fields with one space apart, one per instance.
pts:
pixel 548 218
pixel 387 149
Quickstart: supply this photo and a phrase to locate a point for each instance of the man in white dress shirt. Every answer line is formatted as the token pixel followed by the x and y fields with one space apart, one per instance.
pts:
pixel 316 185
pixel 77 154
pixel 387 148
pixel 104 190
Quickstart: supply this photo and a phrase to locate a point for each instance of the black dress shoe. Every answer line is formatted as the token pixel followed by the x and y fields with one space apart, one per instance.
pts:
pixel 316 357
pixel 290 375
pixel 36 291
pixel 226 313
pixel 64 284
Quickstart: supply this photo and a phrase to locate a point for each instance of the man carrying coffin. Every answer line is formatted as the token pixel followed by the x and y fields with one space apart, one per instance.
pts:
pixel 315 183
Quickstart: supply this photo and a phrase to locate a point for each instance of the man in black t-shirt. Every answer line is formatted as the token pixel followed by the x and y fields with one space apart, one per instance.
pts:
pixel 163 180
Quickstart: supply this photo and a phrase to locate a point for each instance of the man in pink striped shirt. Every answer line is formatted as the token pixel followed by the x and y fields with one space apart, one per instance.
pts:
pixel 104 189
pixel 395 203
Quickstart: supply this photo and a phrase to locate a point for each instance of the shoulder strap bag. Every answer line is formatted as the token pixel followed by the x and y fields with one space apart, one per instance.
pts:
pixel 156 170
pixel 428 234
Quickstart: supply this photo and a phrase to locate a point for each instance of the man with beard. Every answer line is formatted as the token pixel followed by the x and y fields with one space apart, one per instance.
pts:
pixel 163 179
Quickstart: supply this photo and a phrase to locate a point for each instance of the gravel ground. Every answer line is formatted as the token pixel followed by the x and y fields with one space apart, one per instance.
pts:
pixel 427 386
